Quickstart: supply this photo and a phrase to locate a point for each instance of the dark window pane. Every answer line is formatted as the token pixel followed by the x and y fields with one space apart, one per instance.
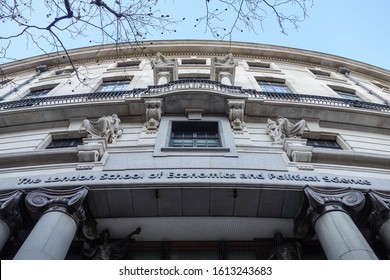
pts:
pixel 325 144
pixel 114 86
pixel 64 143
pixel 194 134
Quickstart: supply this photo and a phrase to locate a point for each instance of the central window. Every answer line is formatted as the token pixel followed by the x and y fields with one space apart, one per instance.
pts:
pixel 194 134
pixel 274 87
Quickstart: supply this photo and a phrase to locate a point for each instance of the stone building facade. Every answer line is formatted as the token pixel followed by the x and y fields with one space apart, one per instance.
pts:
pixel 194 150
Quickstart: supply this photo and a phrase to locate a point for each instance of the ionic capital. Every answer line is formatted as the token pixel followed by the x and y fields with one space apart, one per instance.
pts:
pixel 10 211
pixel 321 201
pixel 70 202
pixel 380 209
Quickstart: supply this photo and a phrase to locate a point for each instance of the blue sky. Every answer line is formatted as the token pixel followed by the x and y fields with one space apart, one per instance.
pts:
pixel 355 29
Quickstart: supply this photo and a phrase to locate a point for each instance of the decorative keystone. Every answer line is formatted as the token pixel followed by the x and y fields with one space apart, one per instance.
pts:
pixel 380 209
pixel 236 114
pixel 153 114
pixel 70 202
pixel 321 201
pixel 10 210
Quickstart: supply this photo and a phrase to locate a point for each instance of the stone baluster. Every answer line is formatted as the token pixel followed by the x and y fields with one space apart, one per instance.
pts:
pixel 10 216
pixel 380 215
pixel 59 214
pixel 327 213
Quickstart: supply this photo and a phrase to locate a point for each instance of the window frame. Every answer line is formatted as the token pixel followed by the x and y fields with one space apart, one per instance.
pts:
pixel 226 139
pixel 280 83
pixel 119 80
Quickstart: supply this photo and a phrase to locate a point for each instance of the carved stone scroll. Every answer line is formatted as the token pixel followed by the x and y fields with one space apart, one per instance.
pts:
pixel 153 114
pixel 236 114
pixel 282 128
pixel 320 201
pixel 10 209
pixel 70 202
pixel 107 127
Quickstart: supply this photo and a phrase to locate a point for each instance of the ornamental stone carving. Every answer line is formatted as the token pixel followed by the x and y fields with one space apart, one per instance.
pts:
pixel 107 127
pixel 164 69
pixel 10 209
pixel 70 202
pixel 282 128
pixel 320 201
pixel 236 114
pixel 153 114
pixel 223 69
pixel 104 249
pixel 380 209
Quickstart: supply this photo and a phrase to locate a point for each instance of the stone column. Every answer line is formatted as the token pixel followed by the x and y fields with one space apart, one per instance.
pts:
pixel 327 213
pixel 380 215
pixel 10 216
pixel 59 213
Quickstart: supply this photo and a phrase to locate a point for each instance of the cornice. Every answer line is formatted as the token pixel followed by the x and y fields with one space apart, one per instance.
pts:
pixel 192 48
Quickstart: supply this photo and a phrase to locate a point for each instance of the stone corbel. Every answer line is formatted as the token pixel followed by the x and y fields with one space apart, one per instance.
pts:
pixel 70 202
pixel 92 149
pixel 164 69
pixel 297 150
pixel 236 109
pixel 223 69
pixel 10 209
pixel 320 201
pixel 153 114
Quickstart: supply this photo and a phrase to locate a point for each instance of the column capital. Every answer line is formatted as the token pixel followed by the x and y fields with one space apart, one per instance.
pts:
pixel 380 209
pixel 70 202
pixel 10 211
pixel 320 201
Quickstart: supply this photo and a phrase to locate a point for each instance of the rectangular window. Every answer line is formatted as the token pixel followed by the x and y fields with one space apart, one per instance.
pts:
pixel 38 93
pixel 348 95
pixel 107 86
pixel 258 64
pixel 128 63
pixel 324 144
pixel 318 72
pixel 274 87
pixel 64 143
pixel 193 61
pixel 194 134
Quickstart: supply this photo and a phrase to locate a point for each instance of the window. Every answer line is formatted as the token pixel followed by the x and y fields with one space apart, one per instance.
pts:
pixel 4 82
pixel 348 95
pixel 36 93
pixel 194 134
pixel 108 86
pixel 381 86
pixel 208 136
pixel 131 63
pixel 324 144
pixel 321 73
pixel 64 143
pixel 277 87
pixel 64 72
pixel 257 64
pixel 193 61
